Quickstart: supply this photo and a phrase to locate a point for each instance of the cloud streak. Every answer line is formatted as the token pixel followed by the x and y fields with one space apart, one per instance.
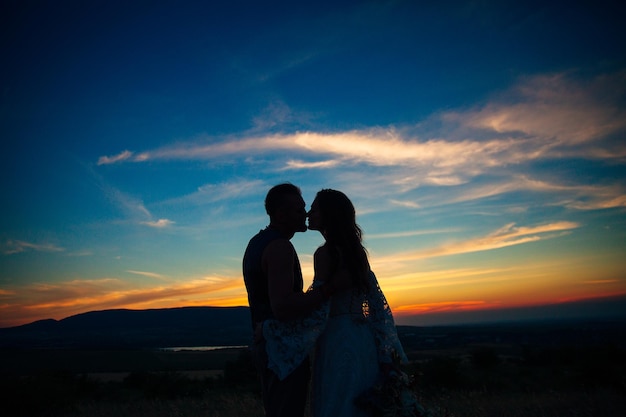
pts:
pixel 146 274
pixel 555 108
pixel 296 164
pixel 12 247
pixel 478 153
pixel 108 160
pixel 538 118
pixel 132 208
pixel 444 306
pixel 159 224
pixel 508 235
pixel 215 192
pixel 409 233
pixel 60 300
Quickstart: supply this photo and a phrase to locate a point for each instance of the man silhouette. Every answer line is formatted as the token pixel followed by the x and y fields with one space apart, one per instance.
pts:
pixel 273 279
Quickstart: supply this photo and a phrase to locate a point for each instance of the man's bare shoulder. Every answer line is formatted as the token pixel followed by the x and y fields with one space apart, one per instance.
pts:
pixel 278 248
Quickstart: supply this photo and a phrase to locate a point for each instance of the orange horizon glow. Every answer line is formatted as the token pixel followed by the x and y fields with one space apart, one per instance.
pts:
pixel 32 313
pixel 433 290
pixel 473 306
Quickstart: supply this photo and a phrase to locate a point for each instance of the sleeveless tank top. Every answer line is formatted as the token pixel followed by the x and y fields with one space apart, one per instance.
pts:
pixel 255 278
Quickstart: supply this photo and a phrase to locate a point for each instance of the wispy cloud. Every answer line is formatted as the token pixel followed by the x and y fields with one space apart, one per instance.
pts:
pixel 600 281
pixel 80 253
pixel 295 164
pixel 117 293
pixel 146 274
pixel 17 246
pixel 122 156
pixel 159 224
pixel 376 147
pixel 597 197
pixel 574 196
pixel 556 108
pixel 503 186
pixel 406 204
pixel 444 281
pixel 279 115
pixel 209 193
pixel 444 306
pixel 131 206
pixel 59 300
pixel 541 118
pixel 205 148
pixel 409 233
pixel 467 155
pixel 508 235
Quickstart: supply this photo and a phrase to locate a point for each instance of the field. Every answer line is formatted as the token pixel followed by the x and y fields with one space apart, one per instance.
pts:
pixel 459 379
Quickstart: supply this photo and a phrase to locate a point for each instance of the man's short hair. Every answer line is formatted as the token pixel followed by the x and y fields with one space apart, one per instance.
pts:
pixel 276 197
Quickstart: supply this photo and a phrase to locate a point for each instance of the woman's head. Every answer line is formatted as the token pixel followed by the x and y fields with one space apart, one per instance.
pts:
pixel 333 214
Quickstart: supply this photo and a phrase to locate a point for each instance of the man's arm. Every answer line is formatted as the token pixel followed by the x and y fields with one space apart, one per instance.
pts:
pixel 278 262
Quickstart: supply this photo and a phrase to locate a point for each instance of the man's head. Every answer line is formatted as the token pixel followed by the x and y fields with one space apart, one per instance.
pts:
pixel 286 208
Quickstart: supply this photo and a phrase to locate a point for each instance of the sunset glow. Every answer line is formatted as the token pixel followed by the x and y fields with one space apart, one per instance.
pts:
pixel 486 163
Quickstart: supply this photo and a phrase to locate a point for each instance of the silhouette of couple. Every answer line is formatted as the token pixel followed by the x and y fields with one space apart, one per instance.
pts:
pixel 343 320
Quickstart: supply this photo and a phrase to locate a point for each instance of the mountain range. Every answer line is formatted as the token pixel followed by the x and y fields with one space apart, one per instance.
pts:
pixel 230 326
pixel 122 328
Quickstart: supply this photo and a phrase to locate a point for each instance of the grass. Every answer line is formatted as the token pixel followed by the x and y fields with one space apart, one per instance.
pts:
pixel 224 404
pixel 583 403
pixel 555 382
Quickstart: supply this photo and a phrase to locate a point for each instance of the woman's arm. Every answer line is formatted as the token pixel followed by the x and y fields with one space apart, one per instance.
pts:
pixel 322 265
pixel 329 272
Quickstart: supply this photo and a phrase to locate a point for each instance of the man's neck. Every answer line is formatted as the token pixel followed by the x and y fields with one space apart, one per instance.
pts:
pixel 287 234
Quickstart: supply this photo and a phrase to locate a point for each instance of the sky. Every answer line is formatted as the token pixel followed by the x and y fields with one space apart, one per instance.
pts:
pixel 481 142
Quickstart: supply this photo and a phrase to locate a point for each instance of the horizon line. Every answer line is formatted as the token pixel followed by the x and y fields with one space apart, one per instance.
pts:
pixel 447 317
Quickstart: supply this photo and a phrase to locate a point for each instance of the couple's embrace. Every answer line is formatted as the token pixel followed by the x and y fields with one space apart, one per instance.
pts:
pixel 343 321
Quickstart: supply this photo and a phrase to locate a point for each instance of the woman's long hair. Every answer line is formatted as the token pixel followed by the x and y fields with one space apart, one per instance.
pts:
pixel 343 235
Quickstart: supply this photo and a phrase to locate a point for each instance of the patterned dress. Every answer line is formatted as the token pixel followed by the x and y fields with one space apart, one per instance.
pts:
pixel 349 336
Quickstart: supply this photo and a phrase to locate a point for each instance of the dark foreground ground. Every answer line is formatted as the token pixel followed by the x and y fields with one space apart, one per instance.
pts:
pixel 514 370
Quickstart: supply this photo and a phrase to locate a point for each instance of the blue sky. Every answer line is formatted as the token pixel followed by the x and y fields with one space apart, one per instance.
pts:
pixel 481 142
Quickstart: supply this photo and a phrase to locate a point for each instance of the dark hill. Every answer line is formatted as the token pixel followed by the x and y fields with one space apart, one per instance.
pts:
pixel 185 326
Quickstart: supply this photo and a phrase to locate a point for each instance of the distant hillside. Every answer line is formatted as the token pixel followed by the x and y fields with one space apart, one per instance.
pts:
pixel 185 326
pixel 230 326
